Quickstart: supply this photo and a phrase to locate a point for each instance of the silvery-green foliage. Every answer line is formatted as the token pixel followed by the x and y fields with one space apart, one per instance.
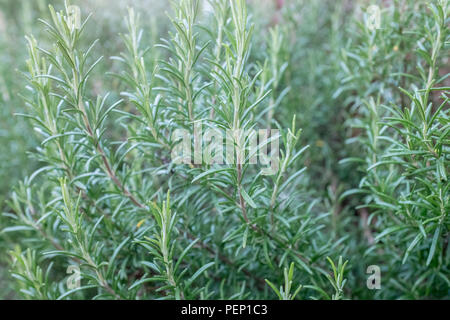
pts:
pixel 405 128
pixel 361 178
pixel 104 204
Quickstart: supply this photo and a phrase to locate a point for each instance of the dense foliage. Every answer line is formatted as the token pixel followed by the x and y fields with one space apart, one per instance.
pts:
pixel 363 168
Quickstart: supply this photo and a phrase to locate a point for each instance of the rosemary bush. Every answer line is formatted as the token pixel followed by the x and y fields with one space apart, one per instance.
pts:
pixel 403 115
pixel 114 212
